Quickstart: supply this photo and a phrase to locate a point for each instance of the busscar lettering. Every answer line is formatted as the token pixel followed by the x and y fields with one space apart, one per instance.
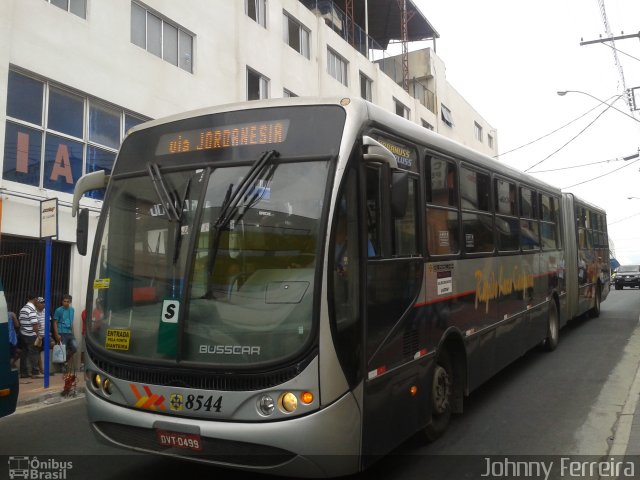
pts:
pixel 230 349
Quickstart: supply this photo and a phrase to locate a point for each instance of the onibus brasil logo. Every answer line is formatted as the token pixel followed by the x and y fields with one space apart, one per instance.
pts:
pixel 33 468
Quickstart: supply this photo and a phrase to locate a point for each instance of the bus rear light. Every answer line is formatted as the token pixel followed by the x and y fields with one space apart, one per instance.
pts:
pixel 413 390
pixel 306 398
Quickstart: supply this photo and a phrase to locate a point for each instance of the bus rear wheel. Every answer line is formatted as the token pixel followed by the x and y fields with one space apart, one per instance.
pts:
pixel 553 328
pixel 595 310
pixel 441 397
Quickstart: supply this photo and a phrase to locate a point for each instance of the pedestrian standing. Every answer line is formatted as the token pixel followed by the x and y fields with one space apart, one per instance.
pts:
pixel 14 328
pixel 63 326
pixel 29 329
pixel 41 329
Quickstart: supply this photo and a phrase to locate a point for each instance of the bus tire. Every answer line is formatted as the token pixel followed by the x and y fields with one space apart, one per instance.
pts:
pixel 553 328
pixel 441 397
pixel 595 311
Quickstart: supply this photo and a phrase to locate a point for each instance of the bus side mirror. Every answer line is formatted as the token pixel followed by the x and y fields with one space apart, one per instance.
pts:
pixel 399 193
pixel 82 231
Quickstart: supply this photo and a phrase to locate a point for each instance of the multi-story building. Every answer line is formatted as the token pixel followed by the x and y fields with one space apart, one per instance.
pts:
pixel 75 75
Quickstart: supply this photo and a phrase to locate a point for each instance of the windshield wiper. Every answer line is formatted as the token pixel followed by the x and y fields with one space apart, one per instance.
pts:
pixel 178 237
pixel 232 200
pixel 167 200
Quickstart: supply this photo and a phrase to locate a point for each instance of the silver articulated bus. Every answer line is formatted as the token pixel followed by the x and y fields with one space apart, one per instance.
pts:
pixel 297 286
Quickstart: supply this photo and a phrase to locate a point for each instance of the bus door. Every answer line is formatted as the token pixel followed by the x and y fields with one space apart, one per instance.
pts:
pixel 391 281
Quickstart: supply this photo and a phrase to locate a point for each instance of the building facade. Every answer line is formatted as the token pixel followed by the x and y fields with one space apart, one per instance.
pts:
pixel 75 75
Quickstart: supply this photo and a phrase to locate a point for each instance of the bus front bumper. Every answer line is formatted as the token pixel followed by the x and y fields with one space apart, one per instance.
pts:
pixel 325 443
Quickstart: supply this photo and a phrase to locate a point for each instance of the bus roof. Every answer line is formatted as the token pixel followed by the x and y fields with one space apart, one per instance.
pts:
pixel 377 116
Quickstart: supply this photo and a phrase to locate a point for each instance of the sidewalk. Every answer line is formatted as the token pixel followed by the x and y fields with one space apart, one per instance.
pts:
pixel 32 389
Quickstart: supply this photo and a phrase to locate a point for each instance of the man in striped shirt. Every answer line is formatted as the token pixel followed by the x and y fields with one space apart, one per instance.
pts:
pixel 29 329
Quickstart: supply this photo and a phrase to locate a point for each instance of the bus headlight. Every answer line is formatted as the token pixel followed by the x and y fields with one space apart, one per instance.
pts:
pixel 96 381
pixel 289 402
pixel 106 386
pixel 266 405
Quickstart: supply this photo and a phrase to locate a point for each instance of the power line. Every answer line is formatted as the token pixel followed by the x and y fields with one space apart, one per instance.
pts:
pixel 557 129
pixel 623 219
pixel 579 166
pixel 576 135
pixel 603 175
pixel 618 50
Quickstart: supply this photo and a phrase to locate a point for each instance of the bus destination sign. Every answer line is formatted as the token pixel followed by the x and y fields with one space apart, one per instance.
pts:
pixel 245 134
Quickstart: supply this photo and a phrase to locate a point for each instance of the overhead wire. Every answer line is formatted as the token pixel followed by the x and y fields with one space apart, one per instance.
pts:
pixel 579 166
pixel 603 175
pixel 554 131
pixel 576 135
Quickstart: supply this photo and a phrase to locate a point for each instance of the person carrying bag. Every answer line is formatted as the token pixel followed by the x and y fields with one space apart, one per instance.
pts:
pixel 59 353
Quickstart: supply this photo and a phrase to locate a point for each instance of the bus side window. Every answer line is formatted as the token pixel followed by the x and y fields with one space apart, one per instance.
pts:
pixel 442 217
pixel 373 212
pixel 405 238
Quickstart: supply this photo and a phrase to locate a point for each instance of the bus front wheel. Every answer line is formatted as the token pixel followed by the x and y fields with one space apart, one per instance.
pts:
pixel 441 397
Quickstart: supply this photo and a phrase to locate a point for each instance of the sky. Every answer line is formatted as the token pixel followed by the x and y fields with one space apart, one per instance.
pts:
pixel 509 58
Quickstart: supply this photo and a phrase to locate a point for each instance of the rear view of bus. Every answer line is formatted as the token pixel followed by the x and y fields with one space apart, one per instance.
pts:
pixel 8 376
pixel 205 338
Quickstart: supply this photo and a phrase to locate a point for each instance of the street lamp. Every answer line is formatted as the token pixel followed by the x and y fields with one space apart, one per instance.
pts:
pixel 633 198
pixel 562 93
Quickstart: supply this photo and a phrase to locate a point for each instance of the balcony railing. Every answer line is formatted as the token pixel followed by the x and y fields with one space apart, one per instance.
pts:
pixel 336 19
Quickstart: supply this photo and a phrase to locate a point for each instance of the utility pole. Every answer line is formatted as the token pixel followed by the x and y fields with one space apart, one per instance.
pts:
pixel 629 91
pixel 609 39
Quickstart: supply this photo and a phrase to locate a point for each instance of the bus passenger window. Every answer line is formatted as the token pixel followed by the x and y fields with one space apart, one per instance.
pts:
pixel 508 230
pixel 443 187
pixel 474 190
pixel 505 197
pixel 477 233
pixel 529 235
pixel 405 237
pixel 443 232
pixel 528 203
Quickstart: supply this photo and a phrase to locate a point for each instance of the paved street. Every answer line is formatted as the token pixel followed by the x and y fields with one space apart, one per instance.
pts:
pixel 547 405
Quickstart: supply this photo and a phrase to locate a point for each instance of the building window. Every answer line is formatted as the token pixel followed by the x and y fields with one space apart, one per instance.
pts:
pixel 337 67
pixel 161 37
pixel 427 125
pixel 477 129
pixel 365 87
pixel 257 11
pixel 288 93
pixel 257 85
pixel 77 7
pixel 296 36
pixel 401 109
pixel 490 141
pixel 446 116
pixel 49 144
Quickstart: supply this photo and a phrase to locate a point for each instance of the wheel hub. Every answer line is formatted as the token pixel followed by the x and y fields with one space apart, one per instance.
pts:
pixel 441 390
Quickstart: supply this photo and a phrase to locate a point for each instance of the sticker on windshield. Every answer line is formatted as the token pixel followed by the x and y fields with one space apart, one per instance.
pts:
pixel 117 339
pixel 170 310
pixel 101 283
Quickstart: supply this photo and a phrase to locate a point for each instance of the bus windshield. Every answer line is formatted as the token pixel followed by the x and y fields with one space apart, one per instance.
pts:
pixel 250 282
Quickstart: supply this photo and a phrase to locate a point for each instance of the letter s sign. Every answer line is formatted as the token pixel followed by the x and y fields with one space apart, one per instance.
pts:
pixel 170 310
